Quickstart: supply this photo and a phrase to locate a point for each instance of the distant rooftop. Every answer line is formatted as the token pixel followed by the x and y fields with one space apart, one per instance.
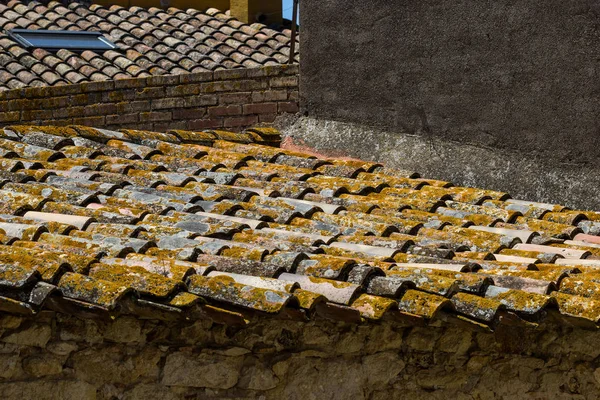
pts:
pixel 149 42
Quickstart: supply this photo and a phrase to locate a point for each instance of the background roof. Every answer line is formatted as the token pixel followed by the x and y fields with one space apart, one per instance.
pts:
pixel 150 41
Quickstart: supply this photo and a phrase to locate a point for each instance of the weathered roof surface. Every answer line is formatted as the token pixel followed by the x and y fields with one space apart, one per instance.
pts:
pixel 150 42
pixel 227 226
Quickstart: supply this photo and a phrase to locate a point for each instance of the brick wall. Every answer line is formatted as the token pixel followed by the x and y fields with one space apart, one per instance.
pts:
pixel 231 99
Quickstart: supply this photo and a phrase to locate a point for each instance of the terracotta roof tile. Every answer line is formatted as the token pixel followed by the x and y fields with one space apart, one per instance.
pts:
pixel 150 42
pixel 126 225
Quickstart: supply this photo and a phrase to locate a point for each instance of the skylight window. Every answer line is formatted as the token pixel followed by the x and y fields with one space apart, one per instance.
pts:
pixel 56 40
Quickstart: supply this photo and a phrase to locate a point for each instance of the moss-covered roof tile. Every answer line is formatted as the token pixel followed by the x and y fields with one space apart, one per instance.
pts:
pixel 243 227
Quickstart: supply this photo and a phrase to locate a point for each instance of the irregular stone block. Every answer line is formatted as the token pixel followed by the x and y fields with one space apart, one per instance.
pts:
pixel 201 370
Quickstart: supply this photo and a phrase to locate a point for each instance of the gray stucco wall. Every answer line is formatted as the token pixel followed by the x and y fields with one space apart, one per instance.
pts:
pixel 515 75
pixel 523 176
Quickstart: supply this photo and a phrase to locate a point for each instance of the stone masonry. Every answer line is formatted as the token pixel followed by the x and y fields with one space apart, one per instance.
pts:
pixel 58 356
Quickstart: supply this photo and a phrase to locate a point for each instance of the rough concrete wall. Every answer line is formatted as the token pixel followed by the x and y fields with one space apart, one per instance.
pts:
pixel 525 177
pixel 511 75
pixel 229 99
pixel 62 357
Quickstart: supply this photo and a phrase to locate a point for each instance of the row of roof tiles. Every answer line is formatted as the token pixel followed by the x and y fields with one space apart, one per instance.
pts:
pixel 221 225
pixel 150 42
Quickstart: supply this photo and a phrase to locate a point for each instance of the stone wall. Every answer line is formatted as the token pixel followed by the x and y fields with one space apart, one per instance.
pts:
pixel 229 99
pixel 58 356
pixel 513 77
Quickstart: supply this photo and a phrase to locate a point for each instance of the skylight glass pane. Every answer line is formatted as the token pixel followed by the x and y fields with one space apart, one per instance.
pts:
pixel 56 40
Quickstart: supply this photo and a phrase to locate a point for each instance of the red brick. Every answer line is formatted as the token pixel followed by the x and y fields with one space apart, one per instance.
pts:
pixel 183 90
pixel 148 126
pixel 16 93
pixel 288 107
pixel 188 113
pixel 229 74
pixel 284 81
pixel 269 95
pixel 68 112
pixel 37 104
pixel 101 86
pixel 19 104
pixel 133 106
pixel 235 98
pixel 196 77
pixel 130 83
pixel 62 90
pixel 119 119
pixel 28 115
pixel 292 69
pixel 80 99
pixel 234 86
pixel 169 102
pixel 271 70
pixel 57 122
pixel 200 124
pixel 118 95
pixel 100 109
pixel 221 111
pixel 162 80
pixel 91 110
pixel 56 102
pixel 10 116
pixel 294 95
pixel 33 92
pixel 150 93
pixel 267 118
pixel 260 108
pixel 246 120
pixel 89 121
pixel 200 100
pixel 165 126
pixel 94 97
pixel 154 116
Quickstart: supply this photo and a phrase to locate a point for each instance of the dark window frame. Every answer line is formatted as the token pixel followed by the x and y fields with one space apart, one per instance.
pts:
pixel 20 36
